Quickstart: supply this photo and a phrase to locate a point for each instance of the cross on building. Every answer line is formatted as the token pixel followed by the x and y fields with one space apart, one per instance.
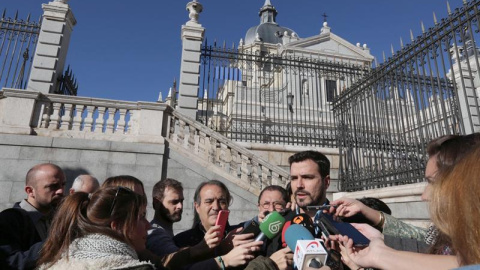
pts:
pixel 324 17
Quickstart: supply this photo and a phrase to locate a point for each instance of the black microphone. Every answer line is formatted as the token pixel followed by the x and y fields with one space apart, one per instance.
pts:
pixel 305 221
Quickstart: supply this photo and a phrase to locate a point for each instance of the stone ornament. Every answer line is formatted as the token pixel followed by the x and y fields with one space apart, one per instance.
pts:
pixel 194 8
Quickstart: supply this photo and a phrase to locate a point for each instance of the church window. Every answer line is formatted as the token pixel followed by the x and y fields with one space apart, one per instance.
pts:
pixel 305 87
pixel 331 89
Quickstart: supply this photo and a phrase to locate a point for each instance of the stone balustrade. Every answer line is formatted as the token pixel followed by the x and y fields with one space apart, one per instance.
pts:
pixel 253 172
pixel 49 115
pixel 81 117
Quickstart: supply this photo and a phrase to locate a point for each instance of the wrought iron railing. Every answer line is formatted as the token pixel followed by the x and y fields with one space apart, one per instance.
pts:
pixel 256 96
pixel 427 89
pixel 67 84
pixel 18 40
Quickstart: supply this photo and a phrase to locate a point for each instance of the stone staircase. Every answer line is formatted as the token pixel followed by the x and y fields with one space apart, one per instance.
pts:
pixel 221 155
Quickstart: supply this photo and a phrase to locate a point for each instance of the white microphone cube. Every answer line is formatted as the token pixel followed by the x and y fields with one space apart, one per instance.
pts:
pixel 309 253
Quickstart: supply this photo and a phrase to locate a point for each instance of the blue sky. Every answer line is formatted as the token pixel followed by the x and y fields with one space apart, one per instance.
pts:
pixel 130 50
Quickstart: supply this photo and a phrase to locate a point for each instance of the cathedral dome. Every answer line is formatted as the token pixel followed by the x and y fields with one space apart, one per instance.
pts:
pixel 268 30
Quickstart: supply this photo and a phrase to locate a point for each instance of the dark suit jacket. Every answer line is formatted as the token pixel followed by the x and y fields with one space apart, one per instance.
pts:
pixel 20 242
pixel 190 238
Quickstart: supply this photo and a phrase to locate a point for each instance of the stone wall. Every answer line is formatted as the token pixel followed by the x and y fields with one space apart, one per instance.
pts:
pixel 18 153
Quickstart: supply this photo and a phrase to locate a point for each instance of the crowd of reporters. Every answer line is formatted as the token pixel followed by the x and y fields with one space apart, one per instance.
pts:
pixel 297 227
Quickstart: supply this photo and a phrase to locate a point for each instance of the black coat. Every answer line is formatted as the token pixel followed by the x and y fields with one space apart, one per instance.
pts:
pixel 20 242
pixel 192 237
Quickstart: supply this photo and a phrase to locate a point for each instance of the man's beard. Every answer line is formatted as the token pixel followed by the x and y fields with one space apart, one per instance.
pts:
pixel 175 217
pixel 308 195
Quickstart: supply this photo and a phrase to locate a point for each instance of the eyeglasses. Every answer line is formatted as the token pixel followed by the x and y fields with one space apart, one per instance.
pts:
pixel 276 205
pixel 116 195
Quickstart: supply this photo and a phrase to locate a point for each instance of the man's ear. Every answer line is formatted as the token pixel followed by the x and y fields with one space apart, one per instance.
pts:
pixel 326 181
pixel 156 203
pixel 29 191
pixel 196 205
pixel 71 191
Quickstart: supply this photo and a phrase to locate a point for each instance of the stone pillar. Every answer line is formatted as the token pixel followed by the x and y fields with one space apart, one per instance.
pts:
pixel 192 38
pixel 468 96
pixel 51 52
pixel 18 111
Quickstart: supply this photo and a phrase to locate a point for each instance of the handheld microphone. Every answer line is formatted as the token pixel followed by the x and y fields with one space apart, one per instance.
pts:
pixel 305 221
pixel 271 226
pixel 284 230
pixel 308 252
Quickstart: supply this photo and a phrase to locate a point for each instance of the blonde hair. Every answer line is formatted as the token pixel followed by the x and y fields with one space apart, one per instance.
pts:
pixel 455 207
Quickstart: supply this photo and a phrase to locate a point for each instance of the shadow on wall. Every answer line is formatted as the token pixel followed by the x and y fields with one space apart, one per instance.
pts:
pixel 71 174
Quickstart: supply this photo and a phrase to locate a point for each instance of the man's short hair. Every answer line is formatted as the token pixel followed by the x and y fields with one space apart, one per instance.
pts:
pixel 31 174
pixel 217 183
pixel 376 204
pixel 373 203
pixel 198 200
pixel 275 188
pixel 317 157
pixel 160 187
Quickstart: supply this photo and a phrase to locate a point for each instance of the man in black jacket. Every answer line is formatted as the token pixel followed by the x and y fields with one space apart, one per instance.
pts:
pixel 24 227
pixel 210 197
pixel 309 179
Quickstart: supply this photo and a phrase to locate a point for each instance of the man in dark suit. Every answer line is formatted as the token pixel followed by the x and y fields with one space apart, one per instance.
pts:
pixel 24 227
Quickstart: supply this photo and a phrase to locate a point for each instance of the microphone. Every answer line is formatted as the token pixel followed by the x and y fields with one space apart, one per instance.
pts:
pixel 285 227
pixel 305 221
pixel 308 252
pixel 271 226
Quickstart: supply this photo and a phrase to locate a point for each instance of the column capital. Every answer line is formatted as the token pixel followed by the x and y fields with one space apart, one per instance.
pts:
pixel 59 10
pixel 193 32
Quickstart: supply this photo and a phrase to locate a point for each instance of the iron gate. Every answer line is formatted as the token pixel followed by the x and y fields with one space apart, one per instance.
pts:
pixel 427 89
pixel 18 40
pixel 252 95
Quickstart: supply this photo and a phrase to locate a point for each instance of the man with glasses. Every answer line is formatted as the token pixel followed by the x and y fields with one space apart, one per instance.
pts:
pixel 271 198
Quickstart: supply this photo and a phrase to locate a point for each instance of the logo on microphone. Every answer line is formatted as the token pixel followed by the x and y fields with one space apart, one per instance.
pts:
pixel 312 245
pixel 297 219
pixel 275 226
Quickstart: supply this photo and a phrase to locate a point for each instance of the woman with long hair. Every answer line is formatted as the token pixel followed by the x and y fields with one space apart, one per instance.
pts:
pixel 101 231
pixel 444 152
pixel 455 210
pixel 455 207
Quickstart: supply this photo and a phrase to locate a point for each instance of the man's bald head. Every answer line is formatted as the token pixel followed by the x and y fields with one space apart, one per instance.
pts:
pixel 32 174
pixel 84 183
pixel 44 186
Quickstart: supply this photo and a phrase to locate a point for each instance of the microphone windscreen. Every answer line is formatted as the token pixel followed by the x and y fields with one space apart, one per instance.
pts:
pixel 296 232
pixel 284 230
pixel 305 221
pixel 272 224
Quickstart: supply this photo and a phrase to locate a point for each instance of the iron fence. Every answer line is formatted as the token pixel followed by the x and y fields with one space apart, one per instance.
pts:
pixel 67 84
pixel 18 40
pixel 254 95
pixel 427 89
